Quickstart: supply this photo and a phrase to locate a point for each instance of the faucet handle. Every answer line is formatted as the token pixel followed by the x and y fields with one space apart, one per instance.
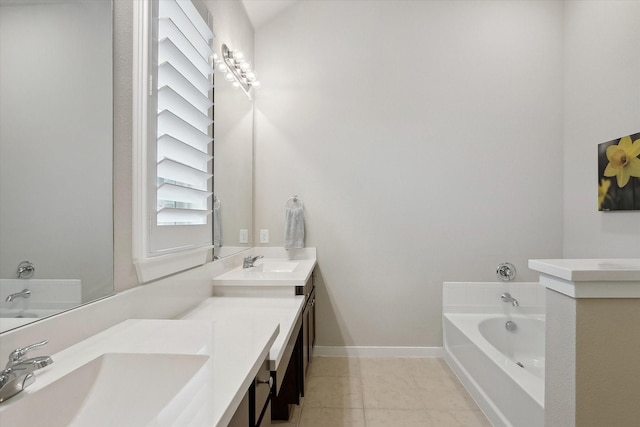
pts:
pixel 18 354
pixel 506 271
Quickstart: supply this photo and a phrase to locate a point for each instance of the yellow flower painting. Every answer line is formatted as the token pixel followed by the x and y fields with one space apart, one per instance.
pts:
pixel 603 189
pixel 619 163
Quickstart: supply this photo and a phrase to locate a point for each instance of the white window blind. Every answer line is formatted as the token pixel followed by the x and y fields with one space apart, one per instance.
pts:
pixel 184 79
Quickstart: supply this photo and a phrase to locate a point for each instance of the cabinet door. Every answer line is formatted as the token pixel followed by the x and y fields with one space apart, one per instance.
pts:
pixel 306 320
pixel 312 324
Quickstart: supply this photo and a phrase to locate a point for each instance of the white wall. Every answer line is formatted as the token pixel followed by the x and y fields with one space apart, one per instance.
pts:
pixel 426 141
pixel 602 102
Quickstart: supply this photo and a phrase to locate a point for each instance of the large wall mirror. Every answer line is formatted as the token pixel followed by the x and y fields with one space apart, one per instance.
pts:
pixel 233 166
pixel 56 156
pixel 233 132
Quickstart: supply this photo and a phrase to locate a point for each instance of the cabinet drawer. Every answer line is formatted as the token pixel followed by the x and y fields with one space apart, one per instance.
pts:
pixel 263 383
pixel 308 286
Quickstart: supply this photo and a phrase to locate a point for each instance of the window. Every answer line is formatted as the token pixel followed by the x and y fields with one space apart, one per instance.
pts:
pixel 173 135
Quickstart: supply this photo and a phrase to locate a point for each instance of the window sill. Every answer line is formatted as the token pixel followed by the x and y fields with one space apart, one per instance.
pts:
pixel 153 268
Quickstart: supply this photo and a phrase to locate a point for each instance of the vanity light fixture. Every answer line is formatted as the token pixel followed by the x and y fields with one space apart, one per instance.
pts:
pixel 237 69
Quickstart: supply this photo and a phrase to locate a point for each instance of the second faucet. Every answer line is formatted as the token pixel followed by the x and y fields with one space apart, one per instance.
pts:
pixel 248 261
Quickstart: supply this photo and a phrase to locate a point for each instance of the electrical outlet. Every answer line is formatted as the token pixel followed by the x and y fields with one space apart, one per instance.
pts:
pixel 244 236
pixel 264 236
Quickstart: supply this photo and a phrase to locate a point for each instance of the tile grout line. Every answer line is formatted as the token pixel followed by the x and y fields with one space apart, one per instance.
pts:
pixel 364 414
pixel 300 411
pixel 364 410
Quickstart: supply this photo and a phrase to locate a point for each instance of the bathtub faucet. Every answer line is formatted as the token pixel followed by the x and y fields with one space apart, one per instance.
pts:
pixel 506 297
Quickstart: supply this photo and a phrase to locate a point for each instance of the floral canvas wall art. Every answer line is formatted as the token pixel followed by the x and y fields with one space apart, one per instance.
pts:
pixel 619 174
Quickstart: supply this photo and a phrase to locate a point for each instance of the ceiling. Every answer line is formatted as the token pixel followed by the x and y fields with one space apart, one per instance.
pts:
pixel 261 11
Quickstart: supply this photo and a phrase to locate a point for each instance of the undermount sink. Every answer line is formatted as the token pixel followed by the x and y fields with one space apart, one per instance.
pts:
pixel 274 267
pixel 115 389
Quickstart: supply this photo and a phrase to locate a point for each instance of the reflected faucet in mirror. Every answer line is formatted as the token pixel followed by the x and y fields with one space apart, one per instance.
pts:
pixel 25 293
pixel 26 269
pixel 506 297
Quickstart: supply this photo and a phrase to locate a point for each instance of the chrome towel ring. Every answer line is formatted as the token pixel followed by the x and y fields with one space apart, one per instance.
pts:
pixel 294 202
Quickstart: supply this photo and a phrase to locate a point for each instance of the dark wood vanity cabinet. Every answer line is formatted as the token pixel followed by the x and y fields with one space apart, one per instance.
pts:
pixel 290 382
pixel 308 335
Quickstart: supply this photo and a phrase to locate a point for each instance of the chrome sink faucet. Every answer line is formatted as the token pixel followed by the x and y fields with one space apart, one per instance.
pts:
pixel 18 374
pixel 25 293
pixel 248 261
pixel 506 297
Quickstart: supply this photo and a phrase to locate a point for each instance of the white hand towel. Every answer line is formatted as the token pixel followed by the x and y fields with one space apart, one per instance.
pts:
pixel 217 226
pixel 294 228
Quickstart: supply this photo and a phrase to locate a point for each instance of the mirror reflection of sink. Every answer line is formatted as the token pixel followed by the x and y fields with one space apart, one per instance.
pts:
pixel 115 389
pixel 275 267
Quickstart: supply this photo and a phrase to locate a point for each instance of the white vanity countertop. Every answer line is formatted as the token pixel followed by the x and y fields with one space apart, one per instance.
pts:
pixel 590 278
pixel 255 276
pixel 283 310
pixel 588 270
pixel 235 353
pixel 277 268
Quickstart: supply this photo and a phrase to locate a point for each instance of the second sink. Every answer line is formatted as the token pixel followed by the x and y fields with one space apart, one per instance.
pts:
pixel 274 266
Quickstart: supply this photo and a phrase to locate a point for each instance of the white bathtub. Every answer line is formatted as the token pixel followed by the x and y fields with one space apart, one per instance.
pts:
pixel 503 370
pixel 48 297
pixel 524 345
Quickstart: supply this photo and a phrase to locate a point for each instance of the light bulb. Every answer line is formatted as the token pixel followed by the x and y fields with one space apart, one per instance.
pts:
pixel 245 66
pixel 221 66
pixel 229 77
pixel 237 55
pixel 255 84
pixel 251 75
pixel 236 84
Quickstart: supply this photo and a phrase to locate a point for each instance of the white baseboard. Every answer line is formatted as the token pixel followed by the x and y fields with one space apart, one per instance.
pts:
pixel 355 351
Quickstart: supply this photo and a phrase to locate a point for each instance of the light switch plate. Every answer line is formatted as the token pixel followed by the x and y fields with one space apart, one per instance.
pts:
pixel 264 236
pixel 243 236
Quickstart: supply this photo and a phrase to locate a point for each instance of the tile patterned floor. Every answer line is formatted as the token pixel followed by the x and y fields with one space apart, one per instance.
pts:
pixel 384 392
